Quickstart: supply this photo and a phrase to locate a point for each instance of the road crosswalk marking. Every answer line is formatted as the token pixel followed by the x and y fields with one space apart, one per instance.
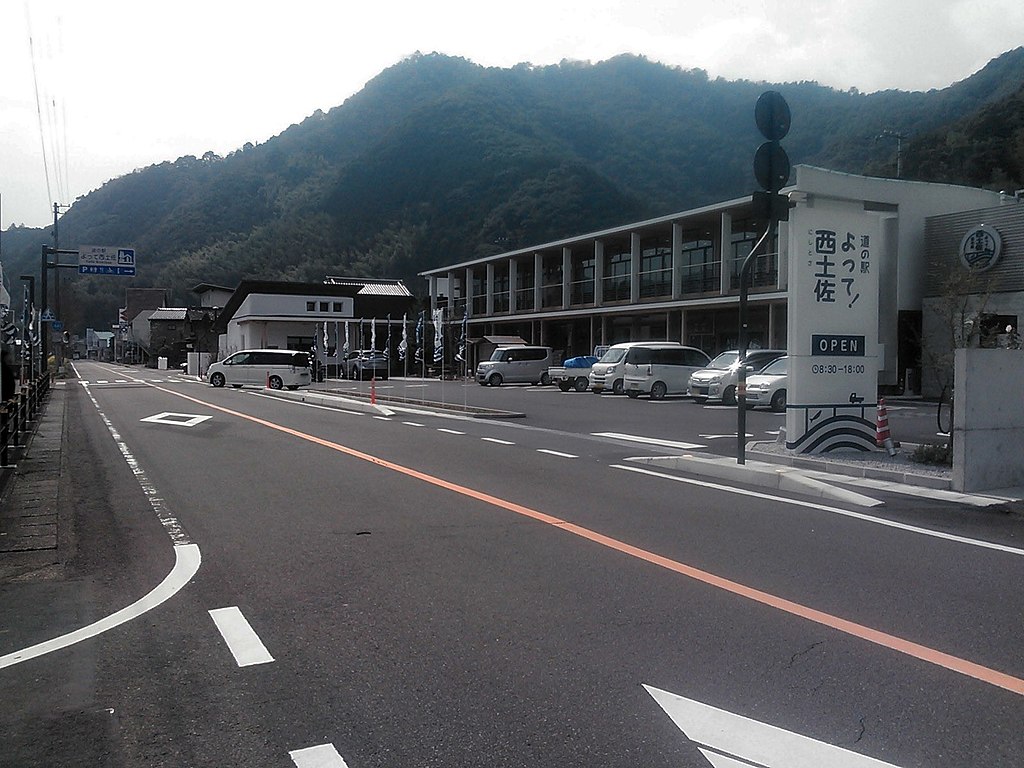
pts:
pixel 321 756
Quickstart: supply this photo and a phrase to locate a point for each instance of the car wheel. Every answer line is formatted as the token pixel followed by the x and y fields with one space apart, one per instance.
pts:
pixel 545 379
pixel 617 387
pixel 729 396
pixel 495 380
pixel 564 385
pixel 275 382
pixel 581 384
pixel 658 390
pixel 633 394
pixel 779 401
pixel 217 379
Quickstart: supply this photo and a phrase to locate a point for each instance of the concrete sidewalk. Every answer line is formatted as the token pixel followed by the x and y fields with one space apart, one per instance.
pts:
pixel 29 501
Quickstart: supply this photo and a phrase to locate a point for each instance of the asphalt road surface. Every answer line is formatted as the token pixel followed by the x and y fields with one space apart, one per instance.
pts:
pixel 347 587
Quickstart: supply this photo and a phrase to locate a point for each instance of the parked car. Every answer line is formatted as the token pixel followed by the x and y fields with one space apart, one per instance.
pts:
pixel 608 373
pixel 574 373
pixel 274 368
pixel 661 369
pixel 769 386
pixel 717 382
pixel 365 364
pixel 523 363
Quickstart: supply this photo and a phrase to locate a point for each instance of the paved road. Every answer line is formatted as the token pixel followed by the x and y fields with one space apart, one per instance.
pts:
pixel 405 589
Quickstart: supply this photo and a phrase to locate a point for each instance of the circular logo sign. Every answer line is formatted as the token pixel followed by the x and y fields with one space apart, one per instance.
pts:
pixel 981 247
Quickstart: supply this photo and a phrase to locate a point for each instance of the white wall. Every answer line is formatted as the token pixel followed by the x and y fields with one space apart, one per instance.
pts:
pixel 988 420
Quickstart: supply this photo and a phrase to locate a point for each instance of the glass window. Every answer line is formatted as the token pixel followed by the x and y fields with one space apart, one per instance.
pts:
pixel 338 307
pixel 311 306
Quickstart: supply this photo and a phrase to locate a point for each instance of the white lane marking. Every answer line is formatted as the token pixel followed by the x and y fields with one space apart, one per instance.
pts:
pixel 450 431
pixel 243 642
pixel 834 510
pixel 413 424
pixel 649 440
pixel 496 440
pixel 322 756
pixel 719 437
pixel 307 405
pixel 382 418
pixel 177 419
pixel 557 453
pixel 729 736
pixel 186 563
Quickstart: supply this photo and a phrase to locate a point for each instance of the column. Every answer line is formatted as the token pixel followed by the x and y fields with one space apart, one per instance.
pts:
pixel 513 286
pixel 677 260
pixel 433 293
pixel 634 267
pixel 598 273
pixel 725 251
pixel 567 277
pixel 538 280
pixel 469 290
pixel 490 289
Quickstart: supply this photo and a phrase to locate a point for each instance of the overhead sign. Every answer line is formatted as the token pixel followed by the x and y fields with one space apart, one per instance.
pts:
pixel 106 260
pixel 833 346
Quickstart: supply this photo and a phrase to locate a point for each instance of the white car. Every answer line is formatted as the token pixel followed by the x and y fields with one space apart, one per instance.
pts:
pixel 717 382
pixel 769 386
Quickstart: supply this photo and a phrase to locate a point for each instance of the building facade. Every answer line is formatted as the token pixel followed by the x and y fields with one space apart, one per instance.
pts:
pixel 677 277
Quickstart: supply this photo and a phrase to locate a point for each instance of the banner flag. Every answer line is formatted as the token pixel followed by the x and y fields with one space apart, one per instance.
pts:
pixel 403 345
pixel 439 335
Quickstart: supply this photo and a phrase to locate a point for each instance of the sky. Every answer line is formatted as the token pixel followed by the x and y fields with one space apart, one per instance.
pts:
pixel 93 89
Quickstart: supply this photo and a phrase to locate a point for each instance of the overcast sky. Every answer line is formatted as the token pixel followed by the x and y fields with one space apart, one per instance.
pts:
pixel 123 84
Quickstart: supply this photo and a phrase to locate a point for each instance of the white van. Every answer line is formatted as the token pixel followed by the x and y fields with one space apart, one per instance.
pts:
pixel 663 369
pixel 520 364
pixel 274 368
pixel 609 372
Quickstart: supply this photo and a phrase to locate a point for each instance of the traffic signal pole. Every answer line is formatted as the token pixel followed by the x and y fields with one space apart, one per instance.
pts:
pixel 44 269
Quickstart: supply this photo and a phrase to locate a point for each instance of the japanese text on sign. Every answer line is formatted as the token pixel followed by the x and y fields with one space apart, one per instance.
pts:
pixel 837 265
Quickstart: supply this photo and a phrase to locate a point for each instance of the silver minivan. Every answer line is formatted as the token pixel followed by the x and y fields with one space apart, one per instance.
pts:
pixel 273 368
pixel 522 364
pixel 662 369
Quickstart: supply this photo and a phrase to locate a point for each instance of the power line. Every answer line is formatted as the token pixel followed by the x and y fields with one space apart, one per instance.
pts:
pixel 39 109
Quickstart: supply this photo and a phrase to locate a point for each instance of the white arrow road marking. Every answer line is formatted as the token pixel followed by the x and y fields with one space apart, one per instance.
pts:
pixel 730 738
pixel 649 440
pixel 322 756
pixel 243 642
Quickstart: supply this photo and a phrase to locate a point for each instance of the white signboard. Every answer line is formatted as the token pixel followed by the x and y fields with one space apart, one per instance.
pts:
pixel 832 383
pixel 106 260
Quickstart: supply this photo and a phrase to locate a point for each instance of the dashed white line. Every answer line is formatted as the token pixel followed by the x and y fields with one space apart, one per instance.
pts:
pixel 557 453
pixel 243 642
pixel 496 440
pixel 450 431
pixel 413 424
pixel 321 756
pixel 382 418
pixel 649 440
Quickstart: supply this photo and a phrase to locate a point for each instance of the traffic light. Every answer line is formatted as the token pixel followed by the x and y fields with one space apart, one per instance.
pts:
pixel 771 163
pixel 67 337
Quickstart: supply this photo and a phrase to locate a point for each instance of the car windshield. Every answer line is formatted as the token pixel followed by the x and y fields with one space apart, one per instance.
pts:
pixel 612 355
pixel 775 368
pixel 724 360
pixel 499 354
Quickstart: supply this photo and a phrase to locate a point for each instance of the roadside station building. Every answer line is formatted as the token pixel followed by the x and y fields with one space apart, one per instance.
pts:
pixel 677 277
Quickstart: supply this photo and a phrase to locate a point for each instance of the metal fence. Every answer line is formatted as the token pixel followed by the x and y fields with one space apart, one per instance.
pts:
pixel 18 416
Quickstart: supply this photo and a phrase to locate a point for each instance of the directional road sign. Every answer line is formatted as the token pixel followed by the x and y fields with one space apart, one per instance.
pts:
pixel 106 260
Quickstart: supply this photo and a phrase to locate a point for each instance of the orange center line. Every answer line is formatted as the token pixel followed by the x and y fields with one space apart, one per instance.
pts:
pixel 892 642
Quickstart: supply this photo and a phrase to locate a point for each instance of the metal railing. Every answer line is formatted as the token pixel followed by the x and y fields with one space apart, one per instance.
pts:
pixel 18 416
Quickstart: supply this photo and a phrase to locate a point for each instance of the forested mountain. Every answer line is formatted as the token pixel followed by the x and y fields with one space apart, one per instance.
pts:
pixel 438 160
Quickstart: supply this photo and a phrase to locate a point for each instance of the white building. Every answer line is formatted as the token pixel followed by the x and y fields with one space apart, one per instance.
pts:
pixel 676 277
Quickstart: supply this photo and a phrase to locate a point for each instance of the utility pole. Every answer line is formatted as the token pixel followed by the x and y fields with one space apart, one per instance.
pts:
pixel 890 134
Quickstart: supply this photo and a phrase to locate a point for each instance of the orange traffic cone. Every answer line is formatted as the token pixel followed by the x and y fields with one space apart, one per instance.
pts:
pixel 882 437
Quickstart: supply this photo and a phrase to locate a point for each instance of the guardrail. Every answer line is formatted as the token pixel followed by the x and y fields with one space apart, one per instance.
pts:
pixel 18 416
